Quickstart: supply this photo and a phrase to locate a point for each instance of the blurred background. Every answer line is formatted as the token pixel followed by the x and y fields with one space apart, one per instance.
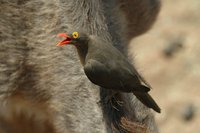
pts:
pixel 168 56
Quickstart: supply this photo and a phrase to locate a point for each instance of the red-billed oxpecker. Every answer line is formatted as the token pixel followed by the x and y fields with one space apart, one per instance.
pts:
pixel 107 67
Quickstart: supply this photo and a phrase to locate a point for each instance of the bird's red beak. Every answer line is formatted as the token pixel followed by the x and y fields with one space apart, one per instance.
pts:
pixel 64 42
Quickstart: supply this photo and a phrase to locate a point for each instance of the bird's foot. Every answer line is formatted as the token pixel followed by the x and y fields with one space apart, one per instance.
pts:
pixel 111 100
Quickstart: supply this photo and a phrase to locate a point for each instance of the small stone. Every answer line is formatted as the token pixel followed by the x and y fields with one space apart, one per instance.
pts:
pixel 173 46
pixel 188 112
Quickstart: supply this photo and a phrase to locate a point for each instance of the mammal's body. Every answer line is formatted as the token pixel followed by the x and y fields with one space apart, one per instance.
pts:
pixel 34 70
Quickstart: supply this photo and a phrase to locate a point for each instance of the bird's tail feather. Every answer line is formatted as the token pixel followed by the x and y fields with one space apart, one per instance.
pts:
pixel 147 100
pixel 143 88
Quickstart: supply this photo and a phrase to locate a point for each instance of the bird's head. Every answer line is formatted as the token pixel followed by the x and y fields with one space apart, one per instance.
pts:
pixel 75 38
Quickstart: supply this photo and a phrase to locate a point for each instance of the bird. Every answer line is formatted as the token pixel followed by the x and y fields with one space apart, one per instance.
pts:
pixel 107 67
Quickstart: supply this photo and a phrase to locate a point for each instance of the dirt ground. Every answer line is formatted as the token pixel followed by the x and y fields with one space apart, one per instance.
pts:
pixel 168 56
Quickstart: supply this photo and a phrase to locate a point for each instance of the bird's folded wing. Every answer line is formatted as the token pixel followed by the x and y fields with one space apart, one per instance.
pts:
pixel 96 71
pixel 107 76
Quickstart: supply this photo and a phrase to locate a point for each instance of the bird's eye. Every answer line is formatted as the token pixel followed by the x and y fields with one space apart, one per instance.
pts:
pixel 75 34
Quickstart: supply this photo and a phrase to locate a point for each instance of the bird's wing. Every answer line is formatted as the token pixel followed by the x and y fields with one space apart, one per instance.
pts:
pixel 107 76
pixel 96 72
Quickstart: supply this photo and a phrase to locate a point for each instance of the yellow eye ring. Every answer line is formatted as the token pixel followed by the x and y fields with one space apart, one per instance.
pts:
pixel 75 34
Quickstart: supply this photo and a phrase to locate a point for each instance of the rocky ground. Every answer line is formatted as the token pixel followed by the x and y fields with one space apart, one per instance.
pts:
pixel 168 56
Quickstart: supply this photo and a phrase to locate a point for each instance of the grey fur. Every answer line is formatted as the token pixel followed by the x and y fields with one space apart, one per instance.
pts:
pixel 31 64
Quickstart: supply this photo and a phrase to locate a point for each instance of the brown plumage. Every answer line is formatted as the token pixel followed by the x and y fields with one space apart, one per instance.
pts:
pixel 105 66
